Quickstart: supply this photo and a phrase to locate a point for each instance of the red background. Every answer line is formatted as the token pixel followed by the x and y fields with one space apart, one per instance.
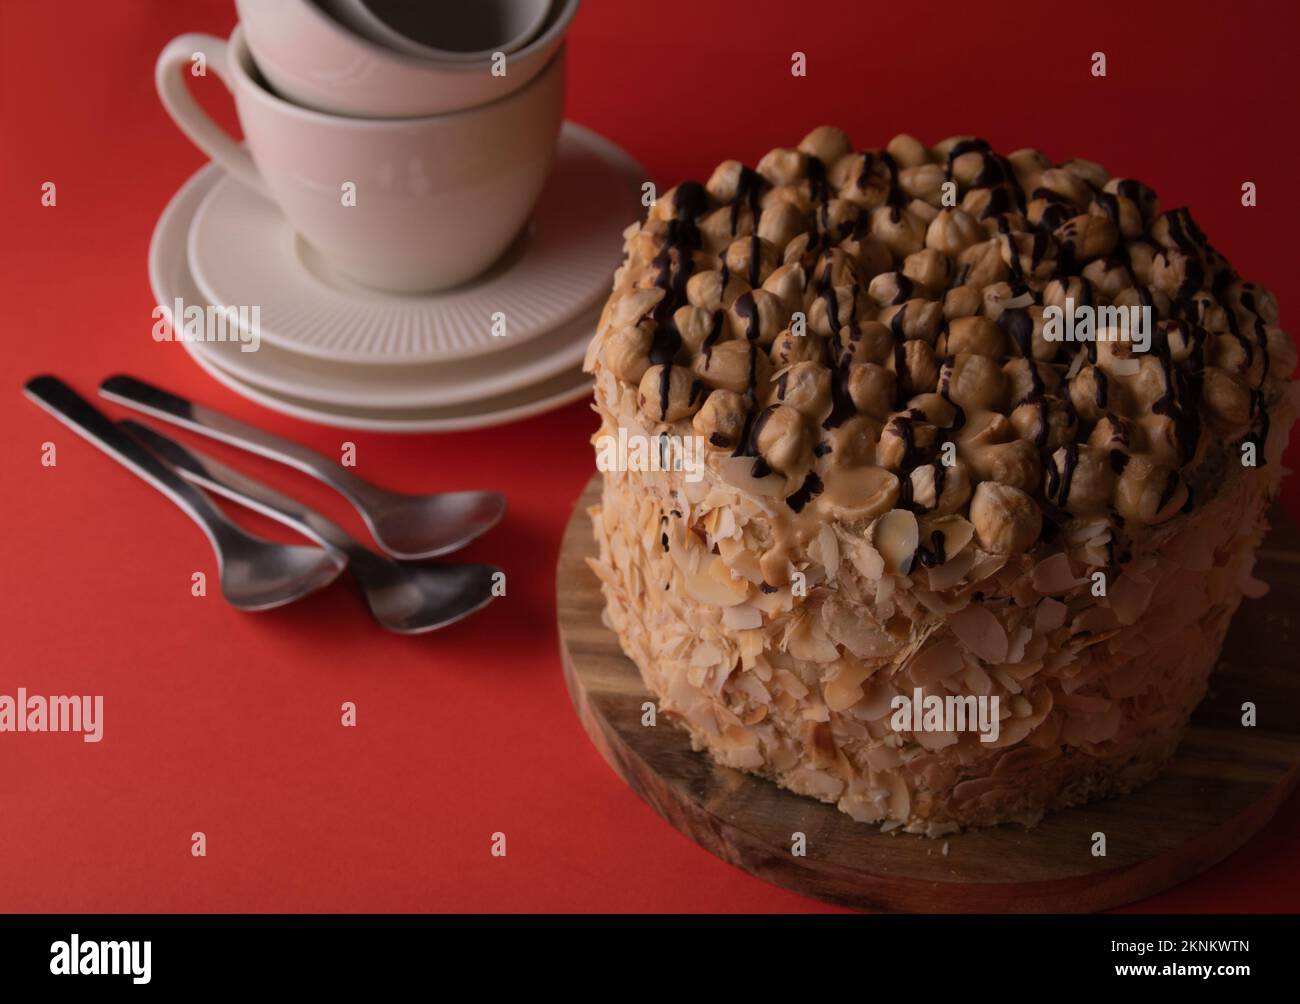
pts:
pixel 229 723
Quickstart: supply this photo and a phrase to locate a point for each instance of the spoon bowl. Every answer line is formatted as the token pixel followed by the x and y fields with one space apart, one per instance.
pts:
pixel 261 575
pixel 406 599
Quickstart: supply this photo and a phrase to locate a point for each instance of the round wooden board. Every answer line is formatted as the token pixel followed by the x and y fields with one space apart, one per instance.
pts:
pixel 1224 784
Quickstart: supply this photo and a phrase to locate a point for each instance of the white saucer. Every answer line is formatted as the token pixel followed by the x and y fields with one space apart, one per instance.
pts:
pixel 242 252
pixel 170 278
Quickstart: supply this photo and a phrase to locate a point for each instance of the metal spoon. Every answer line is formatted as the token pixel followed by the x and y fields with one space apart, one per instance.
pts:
pixel 406 599
pixel 255 574
pixel 409 527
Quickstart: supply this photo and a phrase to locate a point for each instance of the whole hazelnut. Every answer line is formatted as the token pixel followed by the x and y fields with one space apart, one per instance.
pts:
pixel 789 348
pixel 1165 440
pixel 735 365
pixel 952 231
pixel 1227 402
pixel 697 326
pixel 1175 273
pixel 1028 378
pixel 973 382
pixel 1080 480
pixel 627 353
pixel 865 342
pixel 982 264
pixel 725 182
pixel 834 267
pixel 1123 213
pixel 721 419
pixel 930 269
pixel 722 226
pixel 869 253
pixel 961 301
pixel 795 194
pixel 903 439
pixel 937 409
pixel 1015 463
pixel 898 229
pixel 1032 255
pixel 783 439
pixel 872 389
pixel 757 316
pixel 1046 423
pixel 1093 393
pixel 941 489
pixel 914 364
pixel 1006 520
pixel 889 288
pixel 1114 432
pixel 852 443
pixel 705 290
pixel 924 182
pixel 1089 170
pixel 1067 185
pixel 783 167
pixel 781 224
pixel 827 143
pixel 1088 236
pixel 907 151
pixel 786 283
pixel 1148 493
pixel 668 393
pixel 914 319
pixel 806 387
pixel 1028 165
pixel 1142 196
pixel 751 258
pixel 977 335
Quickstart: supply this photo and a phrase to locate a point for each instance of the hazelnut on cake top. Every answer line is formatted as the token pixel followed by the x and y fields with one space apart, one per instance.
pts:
pixel 915 485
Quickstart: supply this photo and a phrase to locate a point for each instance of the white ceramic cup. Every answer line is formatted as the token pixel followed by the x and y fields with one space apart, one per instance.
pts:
pixel 436 199
pixel 444 31
pixel 312 60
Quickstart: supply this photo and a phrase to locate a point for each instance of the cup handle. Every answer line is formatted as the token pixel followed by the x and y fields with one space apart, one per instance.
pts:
pixel 193 121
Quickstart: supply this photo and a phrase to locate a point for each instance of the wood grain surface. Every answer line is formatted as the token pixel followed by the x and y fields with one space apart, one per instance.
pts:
pixel 1225 782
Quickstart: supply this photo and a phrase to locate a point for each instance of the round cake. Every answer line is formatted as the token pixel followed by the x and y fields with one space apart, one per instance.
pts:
pixel 932 476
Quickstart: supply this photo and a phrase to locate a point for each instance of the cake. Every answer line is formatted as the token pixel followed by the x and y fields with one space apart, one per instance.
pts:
pixel 924 528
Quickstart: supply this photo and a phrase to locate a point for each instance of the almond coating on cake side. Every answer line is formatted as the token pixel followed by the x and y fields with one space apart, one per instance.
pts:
pixel 912 484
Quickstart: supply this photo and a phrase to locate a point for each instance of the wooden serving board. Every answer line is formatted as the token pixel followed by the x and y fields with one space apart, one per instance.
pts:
pixel 1226 781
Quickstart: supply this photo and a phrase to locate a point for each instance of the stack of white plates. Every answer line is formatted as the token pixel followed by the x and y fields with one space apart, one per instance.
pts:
pixel 505 346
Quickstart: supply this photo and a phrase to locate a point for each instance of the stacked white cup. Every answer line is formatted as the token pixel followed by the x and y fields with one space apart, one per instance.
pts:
pixel 405 142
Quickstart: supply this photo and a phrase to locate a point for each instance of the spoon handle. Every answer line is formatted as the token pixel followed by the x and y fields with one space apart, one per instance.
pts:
pixel 84 418
pixel 192 465
pixel 155 401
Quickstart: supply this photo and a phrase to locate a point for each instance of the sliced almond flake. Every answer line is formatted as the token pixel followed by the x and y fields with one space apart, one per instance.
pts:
pixel 1050 615
pixel 742 617
pixel 981 632
pixel 934 663
pixel 1055 575
pixel 867 560
pixel 808 641
pixel 952 571
pixel 830 549
pixel 896 535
